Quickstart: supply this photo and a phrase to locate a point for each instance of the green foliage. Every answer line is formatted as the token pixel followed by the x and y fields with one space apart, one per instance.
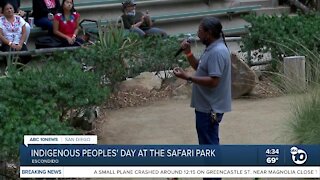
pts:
pixel 118 55
pixel 108 54
pixel 35 100
pixel 305 123
pixel 282 35
pixel 289 36
pixel 155 54
pixel 73 88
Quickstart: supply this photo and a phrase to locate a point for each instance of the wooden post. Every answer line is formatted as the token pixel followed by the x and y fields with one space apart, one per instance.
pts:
pixel 295 73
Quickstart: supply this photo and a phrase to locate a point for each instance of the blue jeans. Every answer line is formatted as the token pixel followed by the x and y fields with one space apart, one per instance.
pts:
pixel 44 23
pixel 208 130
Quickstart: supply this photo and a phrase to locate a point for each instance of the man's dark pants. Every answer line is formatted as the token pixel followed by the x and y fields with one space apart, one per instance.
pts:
pixel 208 130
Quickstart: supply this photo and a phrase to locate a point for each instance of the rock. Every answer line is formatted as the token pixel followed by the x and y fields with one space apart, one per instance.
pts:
pixel 183 90
pixel 146 80
pixel 182 87
pixel 243 78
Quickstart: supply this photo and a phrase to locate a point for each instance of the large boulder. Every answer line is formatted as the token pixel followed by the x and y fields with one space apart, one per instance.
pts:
pixel 243 78
pixel 181 88
pixel 145 81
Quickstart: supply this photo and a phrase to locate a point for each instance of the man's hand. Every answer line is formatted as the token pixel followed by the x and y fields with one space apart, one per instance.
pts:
pixel 186 46
pixel 180 73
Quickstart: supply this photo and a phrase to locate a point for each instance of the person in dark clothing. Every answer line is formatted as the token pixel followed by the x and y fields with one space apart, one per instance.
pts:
pixel 138 22
pixel 43 13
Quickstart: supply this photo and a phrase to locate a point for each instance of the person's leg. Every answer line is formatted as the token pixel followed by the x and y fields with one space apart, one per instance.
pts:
pixel 5 48
pixel 65 43
pixel 207 130
pixel 138 31
pixel 25 58
pixel 156 31
pixel 27 32
pixel 203 123
pixel 44 23
pixel 213 131
pixel 79 42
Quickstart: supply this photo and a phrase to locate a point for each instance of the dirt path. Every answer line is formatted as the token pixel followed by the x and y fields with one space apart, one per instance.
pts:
pixel 252 121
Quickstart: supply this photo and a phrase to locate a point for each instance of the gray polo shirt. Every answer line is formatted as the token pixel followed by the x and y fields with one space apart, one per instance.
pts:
pixel 214 62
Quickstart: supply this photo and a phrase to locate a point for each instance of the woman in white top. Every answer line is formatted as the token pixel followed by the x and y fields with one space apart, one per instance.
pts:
pixel 13 32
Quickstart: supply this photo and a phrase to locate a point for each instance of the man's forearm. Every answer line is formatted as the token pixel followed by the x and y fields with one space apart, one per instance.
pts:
pixel 193 61
pixel 205 80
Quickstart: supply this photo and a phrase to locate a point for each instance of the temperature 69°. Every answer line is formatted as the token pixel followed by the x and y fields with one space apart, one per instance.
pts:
pixel 272 160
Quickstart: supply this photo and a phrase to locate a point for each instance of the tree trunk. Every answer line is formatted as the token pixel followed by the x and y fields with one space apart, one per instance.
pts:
pixel 299 5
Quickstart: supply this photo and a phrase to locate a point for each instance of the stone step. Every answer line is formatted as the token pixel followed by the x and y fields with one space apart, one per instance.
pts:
pixel 191 26
pixel 274 10
pixel 163 7
pixel 263 3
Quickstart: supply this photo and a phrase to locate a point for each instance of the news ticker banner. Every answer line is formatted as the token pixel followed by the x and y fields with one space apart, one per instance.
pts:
pixel 80 156
pixel 167 172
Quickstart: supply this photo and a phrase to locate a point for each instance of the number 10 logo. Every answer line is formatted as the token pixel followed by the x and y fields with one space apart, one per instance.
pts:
pixel 298 156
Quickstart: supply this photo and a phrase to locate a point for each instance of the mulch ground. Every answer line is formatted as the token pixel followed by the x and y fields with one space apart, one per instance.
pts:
pixel 137 97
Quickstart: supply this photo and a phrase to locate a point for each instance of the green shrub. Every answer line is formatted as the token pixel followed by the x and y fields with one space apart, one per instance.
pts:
pixel 289 36
pixel 36 100
pixel 280 35
pixel 304 126
pixel 108 55
pixel 118 55
pixel 156 54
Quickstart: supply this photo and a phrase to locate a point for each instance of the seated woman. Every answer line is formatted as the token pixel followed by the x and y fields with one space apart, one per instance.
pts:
pixel 138 22
pixel 13 32
pixel 43 12
pixel 66 24
pixel 18 11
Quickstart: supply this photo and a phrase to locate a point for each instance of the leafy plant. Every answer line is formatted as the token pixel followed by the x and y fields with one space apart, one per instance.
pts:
pixel 156 54
pixel 304 122
pixel 118 54
pixel 36 100
pixel 305 119
pixel 108 55
pixel 279 35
